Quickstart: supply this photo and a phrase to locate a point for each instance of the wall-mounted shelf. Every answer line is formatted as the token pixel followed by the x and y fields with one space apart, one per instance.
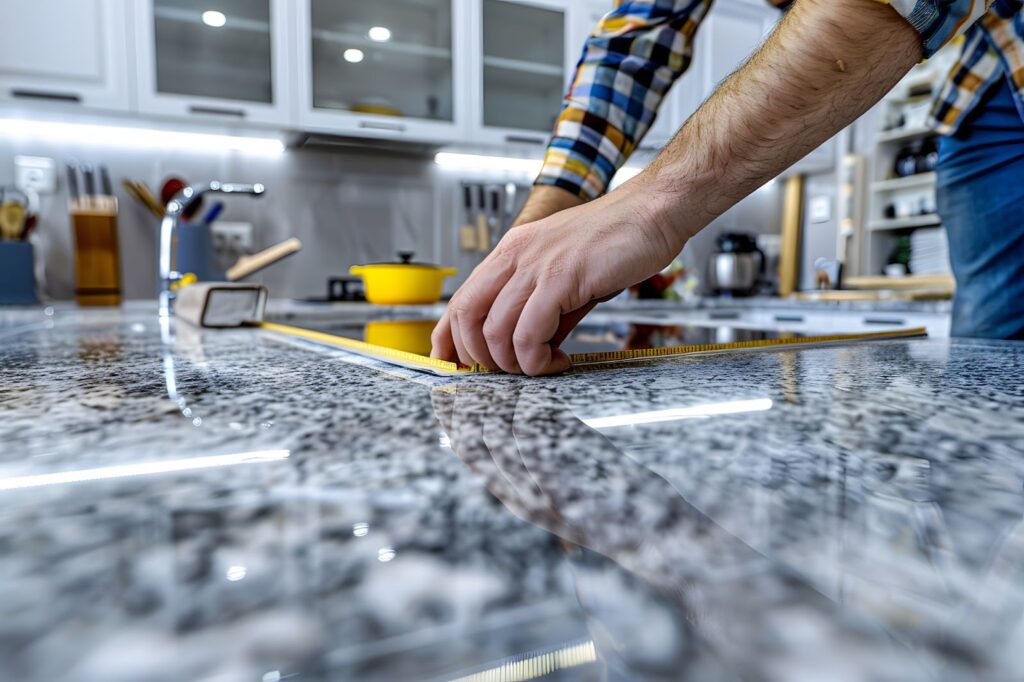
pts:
pixel 536 68
pixel 352 40
pixel 905 223
pixel 883 239
pixel 909 182
pixel 904 134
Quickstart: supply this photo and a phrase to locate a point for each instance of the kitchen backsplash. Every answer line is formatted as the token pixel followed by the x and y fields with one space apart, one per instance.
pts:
pixel 346 207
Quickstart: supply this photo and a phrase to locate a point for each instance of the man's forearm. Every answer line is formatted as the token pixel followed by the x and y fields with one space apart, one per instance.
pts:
pixel 545 200
pixel 828 62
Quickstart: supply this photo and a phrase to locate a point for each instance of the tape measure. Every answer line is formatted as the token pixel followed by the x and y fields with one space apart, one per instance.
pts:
pixel 445 368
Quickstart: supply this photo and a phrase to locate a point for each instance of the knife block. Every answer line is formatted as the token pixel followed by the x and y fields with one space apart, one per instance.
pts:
pixel 97 257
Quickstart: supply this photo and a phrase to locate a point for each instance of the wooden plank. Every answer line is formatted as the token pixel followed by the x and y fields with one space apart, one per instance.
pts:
pixel 792 215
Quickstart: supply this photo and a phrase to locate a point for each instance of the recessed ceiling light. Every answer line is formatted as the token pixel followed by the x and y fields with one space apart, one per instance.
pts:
pixel 212 17
pixel 381 34
pixel 353 55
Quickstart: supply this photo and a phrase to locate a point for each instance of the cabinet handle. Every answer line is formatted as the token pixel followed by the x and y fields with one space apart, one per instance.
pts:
pixel 524 139
pixel 217 111
pixel 380 125
pixel 882 320
pixel 43 94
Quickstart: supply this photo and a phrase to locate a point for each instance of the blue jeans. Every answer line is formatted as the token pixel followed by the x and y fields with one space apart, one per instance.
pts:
pixel 981 202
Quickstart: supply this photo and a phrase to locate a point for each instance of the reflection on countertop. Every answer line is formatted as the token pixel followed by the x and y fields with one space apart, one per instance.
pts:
pixel 180 504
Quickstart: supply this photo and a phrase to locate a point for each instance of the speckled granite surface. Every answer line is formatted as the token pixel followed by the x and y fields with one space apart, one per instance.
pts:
pixel 177 505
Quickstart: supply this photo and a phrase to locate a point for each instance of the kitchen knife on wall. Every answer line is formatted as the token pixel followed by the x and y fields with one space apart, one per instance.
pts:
pixel 483 237
pixel 494 227
pixel 467 231
pixel 508 214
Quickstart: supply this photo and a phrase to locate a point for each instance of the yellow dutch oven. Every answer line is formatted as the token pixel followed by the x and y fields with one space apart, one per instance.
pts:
pixel 404 283
pixel 412 336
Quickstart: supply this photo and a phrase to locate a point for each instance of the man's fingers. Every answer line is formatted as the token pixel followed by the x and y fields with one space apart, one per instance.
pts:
pixel 460 348
pixel 441 345
pixel 472 335
pixel 534 333
pixel 468 309
pixel 501 322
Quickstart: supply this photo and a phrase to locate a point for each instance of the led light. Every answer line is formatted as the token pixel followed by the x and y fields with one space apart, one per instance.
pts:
pixel 136 138
pixel 456 161
pixel 385 554
pixel 353 55
pixel 677 413
pixel 142 469
pixel 212 17
pixel 380 34
pixel 360 529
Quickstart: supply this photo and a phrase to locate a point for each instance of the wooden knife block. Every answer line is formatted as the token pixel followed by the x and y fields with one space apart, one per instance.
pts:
pixel 97 258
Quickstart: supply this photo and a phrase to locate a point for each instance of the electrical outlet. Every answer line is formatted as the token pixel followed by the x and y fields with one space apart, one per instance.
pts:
pixel 234 238
pixel 35 173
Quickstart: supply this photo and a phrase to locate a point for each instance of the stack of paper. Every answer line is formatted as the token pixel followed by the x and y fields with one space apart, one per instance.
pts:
pixel 929 251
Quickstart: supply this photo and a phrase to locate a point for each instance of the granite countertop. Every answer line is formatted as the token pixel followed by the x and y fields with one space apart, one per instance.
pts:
pixel 229 506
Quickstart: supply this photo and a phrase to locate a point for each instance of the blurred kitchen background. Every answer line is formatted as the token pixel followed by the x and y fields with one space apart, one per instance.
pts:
pixel 417 126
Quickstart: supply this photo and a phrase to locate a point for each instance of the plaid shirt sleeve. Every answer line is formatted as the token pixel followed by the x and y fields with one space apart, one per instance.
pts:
pixel 940 21
pixel 637 52
pixel 629 62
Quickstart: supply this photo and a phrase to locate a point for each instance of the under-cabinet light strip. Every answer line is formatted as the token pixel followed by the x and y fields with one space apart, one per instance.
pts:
pixel 456 161
pixel 136 138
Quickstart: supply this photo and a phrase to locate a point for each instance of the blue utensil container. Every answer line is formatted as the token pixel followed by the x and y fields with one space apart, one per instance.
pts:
pixel 17 274
pixel 195 252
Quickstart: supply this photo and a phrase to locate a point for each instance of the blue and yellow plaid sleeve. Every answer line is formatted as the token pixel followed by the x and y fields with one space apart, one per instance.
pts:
pixel 940 21
pixel 628 65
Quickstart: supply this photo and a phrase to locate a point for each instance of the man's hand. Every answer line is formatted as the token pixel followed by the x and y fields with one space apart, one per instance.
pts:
pixel 543 277
pixel 828 62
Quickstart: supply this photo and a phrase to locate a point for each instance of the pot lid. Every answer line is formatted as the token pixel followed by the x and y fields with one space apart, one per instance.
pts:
pixel 405 258
pixel 737 242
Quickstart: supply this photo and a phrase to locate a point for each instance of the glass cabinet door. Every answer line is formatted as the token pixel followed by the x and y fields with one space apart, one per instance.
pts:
pixel 390 58
pixel 220 50
pixel 523 65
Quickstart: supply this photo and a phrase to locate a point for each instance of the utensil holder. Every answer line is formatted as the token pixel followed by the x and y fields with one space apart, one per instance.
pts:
pixel 193 252
pixel 17 277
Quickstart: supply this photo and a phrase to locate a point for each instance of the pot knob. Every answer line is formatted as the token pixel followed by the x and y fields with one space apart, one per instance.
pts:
pixel 406 256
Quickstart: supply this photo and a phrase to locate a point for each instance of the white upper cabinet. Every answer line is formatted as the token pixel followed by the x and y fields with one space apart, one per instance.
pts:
pixel 391 69
pixel 731 33
pixel 524 56
pixel 224 61
pixel 70 54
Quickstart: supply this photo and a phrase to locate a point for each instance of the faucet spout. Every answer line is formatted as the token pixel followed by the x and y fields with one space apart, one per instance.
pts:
pixel 176 207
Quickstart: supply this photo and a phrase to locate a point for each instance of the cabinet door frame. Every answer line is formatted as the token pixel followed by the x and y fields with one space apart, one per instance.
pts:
pixel 113 93
pixel 525 140
pixel 215 109
pixel 372 126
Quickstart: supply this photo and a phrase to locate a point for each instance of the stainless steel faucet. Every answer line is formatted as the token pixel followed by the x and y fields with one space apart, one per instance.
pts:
pixel 175 208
